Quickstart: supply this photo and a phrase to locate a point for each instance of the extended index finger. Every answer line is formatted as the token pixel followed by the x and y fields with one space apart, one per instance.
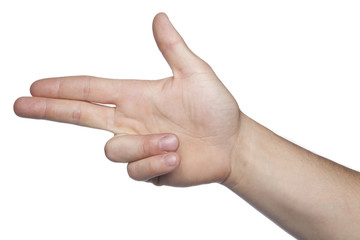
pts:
pixel 84 88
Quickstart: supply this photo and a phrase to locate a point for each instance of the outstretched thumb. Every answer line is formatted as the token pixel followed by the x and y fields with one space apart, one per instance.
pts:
pixel 177 54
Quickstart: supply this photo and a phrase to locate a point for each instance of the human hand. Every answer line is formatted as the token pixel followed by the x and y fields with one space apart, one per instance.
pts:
pixel 178 131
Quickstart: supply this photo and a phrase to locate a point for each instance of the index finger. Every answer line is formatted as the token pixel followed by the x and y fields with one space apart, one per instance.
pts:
pixel 84 88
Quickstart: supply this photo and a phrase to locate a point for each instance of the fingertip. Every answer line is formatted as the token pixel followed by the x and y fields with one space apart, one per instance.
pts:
pixel 33 88
pixel 164 31
pixel 169 143
pixel 17 106
pixel 20 106
pixel 174 49
pixel 44 87
pixel 172 160
pixel 29 107
pixel 160 15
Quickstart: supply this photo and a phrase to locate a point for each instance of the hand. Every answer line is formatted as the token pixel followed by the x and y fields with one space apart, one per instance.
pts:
pixel 178 131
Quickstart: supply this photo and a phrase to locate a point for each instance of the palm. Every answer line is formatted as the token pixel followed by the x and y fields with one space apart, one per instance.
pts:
pixel 199 110
pixel 181 106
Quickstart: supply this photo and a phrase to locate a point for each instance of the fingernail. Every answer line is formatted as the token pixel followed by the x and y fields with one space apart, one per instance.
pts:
pixel 168 143
pixel 170 160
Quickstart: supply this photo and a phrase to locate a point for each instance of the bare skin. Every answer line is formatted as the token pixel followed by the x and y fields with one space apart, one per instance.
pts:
pixel 188 130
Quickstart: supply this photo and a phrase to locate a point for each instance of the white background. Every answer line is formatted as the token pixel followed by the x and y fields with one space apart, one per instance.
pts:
pixel 293 66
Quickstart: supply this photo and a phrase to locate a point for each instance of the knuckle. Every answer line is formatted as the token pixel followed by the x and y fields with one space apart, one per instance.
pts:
pixel 144 147
pixel 87 87
pixel 147 146
pixel 132 171
pixel 76 115
pixel 156 181
pixel 108 151
pixel 153 167
pixel 112 152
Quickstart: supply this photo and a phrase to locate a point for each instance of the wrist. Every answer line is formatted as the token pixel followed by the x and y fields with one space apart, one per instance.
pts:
pixel 251 142
pixel 240 156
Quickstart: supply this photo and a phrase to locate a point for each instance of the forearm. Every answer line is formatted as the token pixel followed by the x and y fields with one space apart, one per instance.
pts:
pixel 307 195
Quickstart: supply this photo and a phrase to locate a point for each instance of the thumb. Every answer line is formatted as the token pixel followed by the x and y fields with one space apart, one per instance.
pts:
pixel 177 54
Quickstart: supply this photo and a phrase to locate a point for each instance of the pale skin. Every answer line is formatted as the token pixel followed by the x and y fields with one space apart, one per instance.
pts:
pixel 188 130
